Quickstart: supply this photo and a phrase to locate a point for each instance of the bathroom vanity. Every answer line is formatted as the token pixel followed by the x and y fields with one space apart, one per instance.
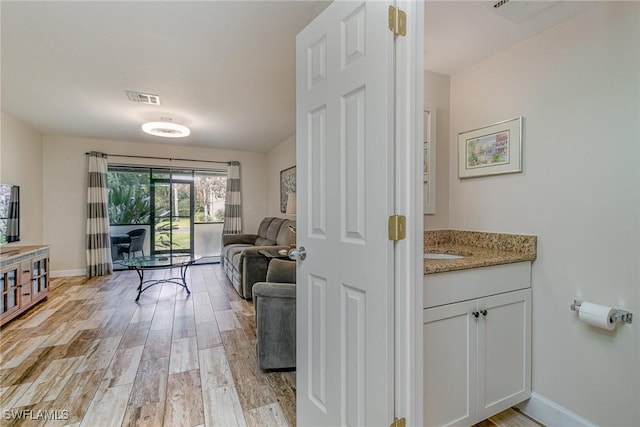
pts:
pixel 476 325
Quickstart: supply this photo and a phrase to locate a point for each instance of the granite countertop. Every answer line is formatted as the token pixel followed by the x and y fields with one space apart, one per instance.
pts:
pixel 479 249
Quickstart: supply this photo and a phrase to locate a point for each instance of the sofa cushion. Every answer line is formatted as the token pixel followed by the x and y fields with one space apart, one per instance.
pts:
pixel 286 237
pixel 281 271
pixel 264 225
pixel 230 250
pixel 232 239
pixel 264 242
pixel 274 228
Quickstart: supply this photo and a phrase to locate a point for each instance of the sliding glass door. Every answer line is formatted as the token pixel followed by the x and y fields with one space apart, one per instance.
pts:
pixel 172 211
pixel 210 191
pixel 182 210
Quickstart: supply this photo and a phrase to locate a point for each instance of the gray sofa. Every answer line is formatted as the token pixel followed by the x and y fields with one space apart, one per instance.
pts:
pixel 242 263
pixel 275 306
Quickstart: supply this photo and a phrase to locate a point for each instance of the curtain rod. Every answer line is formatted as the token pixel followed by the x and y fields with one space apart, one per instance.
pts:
pixel 163 158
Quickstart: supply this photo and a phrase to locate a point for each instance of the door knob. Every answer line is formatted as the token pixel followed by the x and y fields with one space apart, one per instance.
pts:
pixel 298 254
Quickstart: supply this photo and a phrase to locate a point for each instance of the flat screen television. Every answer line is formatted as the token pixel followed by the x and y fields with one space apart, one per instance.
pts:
pixel 9 213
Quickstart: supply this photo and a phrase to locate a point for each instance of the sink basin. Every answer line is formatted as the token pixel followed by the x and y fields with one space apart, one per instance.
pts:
pixel 442 256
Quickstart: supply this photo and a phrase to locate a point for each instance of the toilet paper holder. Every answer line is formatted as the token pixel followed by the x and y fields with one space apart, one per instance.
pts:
pixel 618 316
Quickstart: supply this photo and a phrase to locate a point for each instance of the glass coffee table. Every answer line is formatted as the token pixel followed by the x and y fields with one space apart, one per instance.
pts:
pixel 156 262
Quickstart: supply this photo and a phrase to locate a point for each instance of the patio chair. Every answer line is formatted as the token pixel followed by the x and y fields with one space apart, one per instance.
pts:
pixel 136 243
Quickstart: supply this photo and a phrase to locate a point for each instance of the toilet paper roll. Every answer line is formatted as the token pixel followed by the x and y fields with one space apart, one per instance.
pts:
pixel 597 315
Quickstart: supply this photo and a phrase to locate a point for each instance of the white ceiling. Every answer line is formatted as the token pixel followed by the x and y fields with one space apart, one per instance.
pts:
pixel 462 33
pixel 226 69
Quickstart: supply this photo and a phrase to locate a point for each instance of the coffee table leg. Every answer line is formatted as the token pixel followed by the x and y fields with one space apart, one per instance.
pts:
pixel 141 276
pixel 183 275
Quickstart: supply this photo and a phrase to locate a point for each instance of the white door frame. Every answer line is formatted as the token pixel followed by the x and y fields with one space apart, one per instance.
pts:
pixel 409 194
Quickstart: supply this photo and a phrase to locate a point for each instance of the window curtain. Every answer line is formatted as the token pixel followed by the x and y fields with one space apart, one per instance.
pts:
pixel 13 224
pixel 98 240
pixel 232 204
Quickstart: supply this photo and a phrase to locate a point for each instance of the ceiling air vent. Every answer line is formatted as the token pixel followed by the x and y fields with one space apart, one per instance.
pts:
pixel 520 11
pixel 500 3
pixel 144 98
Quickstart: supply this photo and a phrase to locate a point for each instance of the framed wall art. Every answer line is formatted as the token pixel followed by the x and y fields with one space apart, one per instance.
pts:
pixel 491 150
pixel 429 160
pixel 287 185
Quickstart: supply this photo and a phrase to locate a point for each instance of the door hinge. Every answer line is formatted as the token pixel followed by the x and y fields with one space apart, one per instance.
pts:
pixel 397 227
pixel 399 422
pixel 397 21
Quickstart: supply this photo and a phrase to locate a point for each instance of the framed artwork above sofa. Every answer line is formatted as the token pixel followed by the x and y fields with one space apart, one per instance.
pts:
pixel 287 185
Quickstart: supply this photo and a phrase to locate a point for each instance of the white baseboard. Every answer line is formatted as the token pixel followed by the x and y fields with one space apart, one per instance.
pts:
pixel 68 273
pixel 551 414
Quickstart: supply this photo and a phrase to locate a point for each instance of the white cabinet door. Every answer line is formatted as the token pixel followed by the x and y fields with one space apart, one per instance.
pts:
pixel 450 364
pixel 504 351
pixel 476 367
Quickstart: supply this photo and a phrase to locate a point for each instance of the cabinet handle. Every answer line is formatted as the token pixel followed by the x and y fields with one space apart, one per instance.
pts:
pixel 19 286
pixel 27 294
pixel 484 312
pixel 475 314
pixel 26 271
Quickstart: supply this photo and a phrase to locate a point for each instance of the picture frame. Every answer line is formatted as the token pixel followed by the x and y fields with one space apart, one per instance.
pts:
pixel 425 162
pixel 287 185
pixel 429 160
pixel 491 150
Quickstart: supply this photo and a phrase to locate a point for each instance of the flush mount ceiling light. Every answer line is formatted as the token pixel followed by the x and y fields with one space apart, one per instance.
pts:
pixel 166 129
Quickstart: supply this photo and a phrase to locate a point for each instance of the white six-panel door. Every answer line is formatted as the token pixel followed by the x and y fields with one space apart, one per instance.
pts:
pixel 344 141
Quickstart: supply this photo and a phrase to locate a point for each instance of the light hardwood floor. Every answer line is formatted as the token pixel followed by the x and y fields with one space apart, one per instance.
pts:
pixel 91 356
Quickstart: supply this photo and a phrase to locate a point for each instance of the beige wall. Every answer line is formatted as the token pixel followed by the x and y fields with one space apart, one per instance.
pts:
pixel 65 182
pixel 436 93
pixel 578 87
pixel 21 164
pixel 280 157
